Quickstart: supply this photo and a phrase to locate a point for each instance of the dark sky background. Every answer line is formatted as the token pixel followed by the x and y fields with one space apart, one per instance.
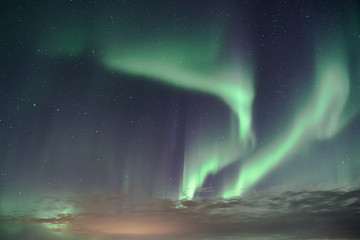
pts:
pixel 179 119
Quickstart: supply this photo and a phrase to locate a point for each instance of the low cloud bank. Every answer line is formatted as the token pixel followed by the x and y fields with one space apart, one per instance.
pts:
pixel 272 215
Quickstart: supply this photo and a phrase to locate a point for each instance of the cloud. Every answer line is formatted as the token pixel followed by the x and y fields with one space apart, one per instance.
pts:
pixel 272 215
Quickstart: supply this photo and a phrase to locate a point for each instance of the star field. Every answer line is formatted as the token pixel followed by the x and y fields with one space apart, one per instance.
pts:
pixel 176 116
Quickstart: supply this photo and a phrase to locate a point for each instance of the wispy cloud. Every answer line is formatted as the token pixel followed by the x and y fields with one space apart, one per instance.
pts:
pixel 294 214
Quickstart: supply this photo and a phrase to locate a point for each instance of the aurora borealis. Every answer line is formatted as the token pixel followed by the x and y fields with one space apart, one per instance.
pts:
pixel 180 120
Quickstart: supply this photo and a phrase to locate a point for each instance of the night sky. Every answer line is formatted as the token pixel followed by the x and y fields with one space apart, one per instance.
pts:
pixel 180 120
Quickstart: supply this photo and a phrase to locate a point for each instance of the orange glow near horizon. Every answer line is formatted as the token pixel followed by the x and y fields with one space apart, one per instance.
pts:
pixel 137 226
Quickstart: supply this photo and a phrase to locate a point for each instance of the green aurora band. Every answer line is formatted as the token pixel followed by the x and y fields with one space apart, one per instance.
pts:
pixel 321 118
pixel 228 82
pixel 231 84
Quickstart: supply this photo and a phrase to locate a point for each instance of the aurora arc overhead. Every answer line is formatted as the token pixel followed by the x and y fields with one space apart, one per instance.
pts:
pixel 229 83
pixel 183 120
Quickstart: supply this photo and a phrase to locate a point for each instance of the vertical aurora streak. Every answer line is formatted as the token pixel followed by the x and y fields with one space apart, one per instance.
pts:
pixel 321 118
